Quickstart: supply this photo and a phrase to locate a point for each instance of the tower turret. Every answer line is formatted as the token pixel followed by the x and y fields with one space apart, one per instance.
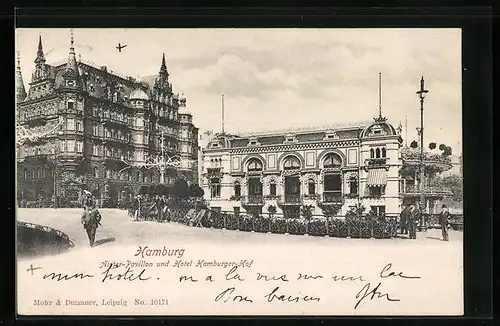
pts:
pixel 41 70
pixel 71 74
pixel 40 57
pixel 163 68
pixel 20 90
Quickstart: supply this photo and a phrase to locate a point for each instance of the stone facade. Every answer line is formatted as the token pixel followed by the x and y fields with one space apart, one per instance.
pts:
pixel 103 123
pixel 334 169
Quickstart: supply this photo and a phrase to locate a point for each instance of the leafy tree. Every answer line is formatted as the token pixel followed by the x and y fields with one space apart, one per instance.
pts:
pixel 181 188
pixel 442 147
pixel 455 185
pixel 432 145
pixel 447 151
pixel 195 191
pixel 414 144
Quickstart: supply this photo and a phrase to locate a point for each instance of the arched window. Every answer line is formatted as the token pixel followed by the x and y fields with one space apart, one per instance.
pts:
pixel 311 187
pixel 332 161
pixel 272 188
pixel 71 104
pixel 237 189
pixel 383 152
pixel 353 186
pixel 291 163
pixel 372 153
pixel 254 165
pixel 377 153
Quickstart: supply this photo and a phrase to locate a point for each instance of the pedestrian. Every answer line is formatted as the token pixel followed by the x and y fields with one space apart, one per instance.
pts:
pixel 137 203
pixel 403 219
pixel 412 221
pixel 91 218
pixel 443 220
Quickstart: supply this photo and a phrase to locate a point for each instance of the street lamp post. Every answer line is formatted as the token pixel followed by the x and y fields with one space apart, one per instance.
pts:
pixel 421 94
pixel 54 172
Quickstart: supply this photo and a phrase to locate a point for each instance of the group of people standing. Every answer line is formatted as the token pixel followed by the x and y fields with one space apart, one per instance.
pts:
pixel 411 216
pixel 144 206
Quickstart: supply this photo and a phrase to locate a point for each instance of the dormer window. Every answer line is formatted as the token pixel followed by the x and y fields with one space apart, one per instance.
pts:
pixel 331 134
pixel 290 138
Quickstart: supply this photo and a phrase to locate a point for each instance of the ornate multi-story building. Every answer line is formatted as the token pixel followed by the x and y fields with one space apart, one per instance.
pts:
pixel 331 170
pixel 104 130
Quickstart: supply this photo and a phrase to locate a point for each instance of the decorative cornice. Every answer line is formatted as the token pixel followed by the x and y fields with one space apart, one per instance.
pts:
pixel 291 147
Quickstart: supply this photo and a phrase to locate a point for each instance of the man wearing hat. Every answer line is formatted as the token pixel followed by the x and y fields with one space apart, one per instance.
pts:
pixel 413 221
pixel 443 220
pixel 91 217
pixel 403 218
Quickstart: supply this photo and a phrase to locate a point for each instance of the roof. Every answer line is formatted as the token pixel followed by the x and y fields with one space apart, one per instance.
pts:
pixel 139 94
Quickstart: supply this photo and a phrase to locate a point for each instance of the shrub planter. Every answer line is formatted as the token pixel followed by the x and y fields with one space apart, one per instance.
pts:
pixel 318 227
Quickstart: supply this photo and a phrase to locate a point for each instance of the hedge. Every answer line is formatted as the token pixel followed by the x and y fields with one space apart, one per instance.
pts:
pixel 343 228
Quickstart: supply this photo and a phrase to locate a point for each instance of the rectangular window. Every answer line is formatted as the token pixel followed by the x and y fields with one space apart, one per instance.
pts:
pixel 215 188
pixel 272 189
pixel 375 191
pixel 353 187
pixel 62 146
pixel 79 147
pixel 70 124
pixel 71 105
pixel 237 190
pixel 95 150
pixel 71 145
pixel 333 182
pixel 79 126
pixel 311 188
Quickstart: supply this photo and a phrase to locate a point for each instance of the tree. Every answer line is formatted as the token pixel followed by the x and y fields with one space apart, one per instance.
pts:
pixel 414 144
pixel 195 191
pixel 432 145
pixel 442 147
pixel 181 188
pixel 447 151
pixel 455 185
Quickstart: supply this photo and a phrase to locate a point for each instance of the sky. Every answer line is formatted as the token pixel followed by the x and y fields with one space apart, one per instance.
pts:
pixel 276 79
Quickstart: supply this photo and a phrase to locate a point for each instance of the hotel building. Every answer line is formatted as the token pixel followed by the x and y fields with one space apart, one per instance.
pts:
pixel 101 123
pixel 328 169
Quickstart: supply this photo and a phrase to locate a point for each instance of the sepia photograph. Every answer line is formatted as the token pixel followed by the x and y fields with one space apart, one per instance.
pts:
pixel 185 172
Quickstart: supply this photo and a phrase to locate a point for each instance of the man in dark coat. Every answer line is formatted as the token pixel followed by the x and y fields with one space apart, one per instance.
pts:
pixel 413 221
pixel 91 219
pixel 403 218
pixel 443 220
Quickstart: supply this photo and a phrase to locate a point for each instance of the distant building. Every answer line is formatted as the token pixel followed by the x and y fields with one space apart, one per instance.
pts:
pixel 330 169
pixel 109 122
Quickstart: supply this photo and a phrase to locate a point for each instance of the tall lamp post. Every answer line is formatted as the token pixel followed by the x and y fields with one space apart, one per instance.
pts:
pixel 54 173
pixel 421 94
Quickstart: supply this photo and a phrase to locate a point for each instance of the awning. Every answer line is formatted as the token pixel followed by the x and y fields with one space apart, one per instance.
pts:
pixel 376 177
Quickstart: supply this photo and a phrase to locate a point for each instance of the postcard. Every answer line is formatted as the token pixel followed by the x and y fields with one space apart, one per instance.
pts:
pixel 255 172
